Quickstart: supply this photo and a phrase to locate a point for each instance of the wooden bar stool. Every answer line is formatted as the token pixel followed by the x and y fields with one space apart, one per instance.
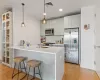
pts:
pixel 34 64
pixel 19 61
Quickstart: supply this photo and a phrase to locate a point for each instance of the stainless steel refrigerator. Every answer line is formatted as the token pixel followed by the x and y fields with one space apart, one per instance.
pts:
pixel 71 42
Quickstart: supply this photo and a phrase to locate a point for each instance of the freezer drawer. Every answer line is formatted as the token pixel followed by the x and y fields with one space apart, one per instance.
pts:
pixel 72 56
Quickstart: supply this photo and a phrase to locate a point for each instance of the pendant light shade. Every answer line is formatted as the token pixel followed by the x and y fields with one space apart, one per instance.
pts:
pixel 44 21
pixel 23 23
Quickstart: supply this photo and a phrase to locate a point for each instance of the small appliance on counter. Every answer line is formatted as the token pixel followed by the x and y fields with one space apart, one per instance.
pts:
pixel 28 44
pixel 22 42
pixel 43 39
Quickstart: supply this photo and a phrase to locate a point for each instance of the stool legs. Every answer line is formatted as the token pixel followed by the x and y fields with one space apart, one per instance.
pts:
pixel 28 73
pixel 34 73
pixel 24 66
pixel 39 73
pixel 13 75
pixel 25 70
pixel 19 67
pixel 18 71
pixel 13 70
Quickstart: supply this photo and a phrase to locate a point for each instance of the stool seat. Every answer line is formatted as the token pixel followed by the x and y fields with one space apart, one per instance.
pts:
pixel 33 63
pixel 19 59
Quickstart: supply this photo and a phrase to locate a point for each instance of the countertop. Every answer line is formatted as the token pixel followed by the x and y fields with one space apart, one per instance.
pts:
pixel 50 50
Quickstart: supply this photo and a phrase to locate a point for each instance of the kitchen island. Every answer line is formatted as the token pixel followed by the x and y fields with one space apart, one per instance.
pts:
pixel 52 67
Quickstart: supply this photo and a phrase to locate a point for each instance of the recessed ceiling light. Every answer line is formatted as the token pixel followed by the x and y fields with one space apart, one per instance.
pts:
pixel 60 10
pixel 44 14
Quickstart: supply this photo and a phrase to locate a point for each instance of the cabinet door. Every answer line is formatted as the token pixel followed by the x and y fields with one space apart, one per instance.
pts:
pixel 58 25
pixel 72 21
pixel 67 22
pixel 44 27
pixel 75 21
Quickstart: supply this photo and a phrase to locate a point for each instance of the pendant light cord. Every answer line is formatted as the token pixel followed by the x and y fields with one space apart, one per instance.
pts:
pixel 23 11
pixel 44 20
pixel 44 8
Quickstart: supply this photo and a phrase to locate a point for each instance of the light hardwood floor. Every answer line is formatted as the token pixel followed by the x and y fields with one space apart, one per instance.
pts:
pixel 72 72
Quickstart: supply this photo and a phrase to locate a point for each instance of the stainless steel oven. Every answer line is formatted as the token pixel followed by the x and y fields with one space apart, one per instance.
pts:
pixel 49 32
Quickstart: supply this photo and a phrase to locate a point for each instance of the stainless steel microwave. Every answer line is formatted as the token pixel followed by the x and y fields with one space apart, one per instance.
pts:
pixel 49 32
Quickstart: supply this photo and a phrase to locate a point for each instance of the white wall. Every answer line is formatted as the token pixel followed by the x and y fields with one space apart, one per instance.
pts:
pixel 87 37
pixel 30 33
pixel 0 39
pixel 97 32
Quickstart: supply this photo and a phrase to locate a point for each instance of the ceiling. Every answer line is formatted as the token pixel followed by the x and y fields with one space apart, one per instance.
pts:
pixel 35 7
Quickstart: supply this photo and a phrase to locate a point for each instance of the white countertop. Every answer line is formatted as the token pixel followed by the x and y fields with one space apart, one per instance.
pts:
pixel 50 50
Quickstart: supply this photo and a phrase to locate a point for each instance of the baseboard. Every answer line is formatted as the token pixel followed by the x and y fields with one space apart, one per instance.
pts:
pixel 87 68
pixel 0 61
pixel 98 73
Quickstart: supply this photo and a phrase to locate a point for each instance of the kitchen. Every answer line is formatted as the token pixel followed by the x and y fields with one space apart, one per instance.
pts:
pixel 54 34
pixel 62 40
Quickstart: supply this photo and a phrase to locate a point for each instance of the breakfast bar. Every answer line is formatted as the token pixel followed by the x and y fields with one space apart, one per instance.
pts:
pixel 52 58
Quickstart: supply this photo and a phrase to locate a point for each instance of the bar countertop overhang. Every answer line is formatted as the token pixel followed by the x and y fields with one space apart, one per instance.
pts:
pixel 50 50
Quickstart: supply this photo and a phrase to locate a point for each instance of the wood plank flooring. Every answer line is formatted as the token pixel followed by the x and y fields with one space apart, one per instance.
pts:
pixel 72 72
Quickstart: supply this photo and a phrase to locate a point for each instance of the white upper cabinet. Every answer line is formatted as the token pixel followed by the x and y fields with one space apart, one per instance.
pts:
pixel 43 27
pixel 76 21
pixel 56 24
pixel 72 21
pixel 67 22
pixel 61 23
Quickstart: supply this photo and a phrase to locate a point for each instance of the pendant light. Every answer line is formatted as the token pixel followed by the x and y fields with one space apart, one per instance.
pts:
pixel 23 23
pixel 44 21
